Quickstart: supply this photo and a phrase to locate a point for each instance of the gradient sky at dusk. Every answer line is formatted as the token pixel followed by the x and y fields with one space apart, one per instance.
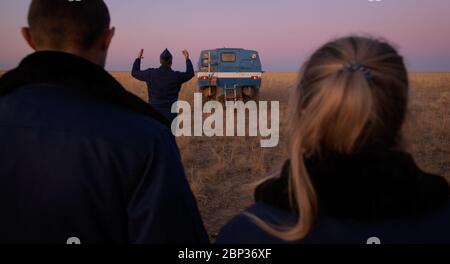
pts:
pixel 283 31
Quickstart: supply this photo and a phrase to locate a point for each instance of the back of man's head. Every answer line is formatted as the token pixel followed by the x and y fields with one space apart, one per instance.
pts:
pixel 58 24
pixel 166 58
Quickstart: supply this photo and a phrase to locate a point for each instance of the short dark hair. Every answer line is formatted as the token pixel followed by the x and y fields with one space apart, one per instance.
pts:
pixel 60 23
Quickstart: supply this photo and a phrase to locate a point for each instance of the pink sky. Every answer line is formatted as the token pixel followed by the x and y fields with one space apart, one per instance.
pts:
pixel 284 32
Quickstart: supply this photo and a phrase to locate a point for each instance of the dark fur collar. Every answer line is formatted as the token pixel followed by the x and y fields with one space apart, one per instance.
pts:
pixel 371 186
pixel 72 72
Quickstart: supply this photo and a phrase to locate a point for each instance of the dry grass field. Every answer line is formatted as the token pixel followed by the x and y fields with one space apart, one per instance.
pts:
pixel 222 171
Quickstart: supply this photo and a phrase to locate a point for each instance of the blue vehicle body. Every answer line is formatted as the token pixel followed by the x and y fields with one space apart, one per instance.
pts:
pixel 229 74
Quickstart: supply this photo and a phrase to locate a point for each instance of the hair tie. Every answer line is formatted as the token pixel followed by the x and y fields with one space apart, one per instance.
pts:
pixel 353 67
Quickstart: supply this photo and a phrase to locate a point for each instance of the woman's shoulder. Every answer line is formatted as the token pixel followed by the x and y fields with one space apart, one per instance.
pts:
pixel 430 228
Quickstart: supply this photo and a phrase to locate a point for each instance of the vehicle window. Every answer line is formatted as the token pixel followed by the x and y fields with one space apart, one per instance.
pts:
pixel 205 55
pixel 228 57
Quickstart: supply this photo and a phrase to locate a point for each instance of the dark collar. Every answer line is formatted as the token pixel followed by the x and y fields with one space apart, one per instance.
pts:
pixel 166 67
pixel 370 186
pixel 73 72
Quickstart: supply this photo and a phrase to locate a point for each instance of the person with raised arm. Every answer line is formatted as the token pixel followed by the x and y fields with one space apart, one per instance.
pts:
pixel 164 84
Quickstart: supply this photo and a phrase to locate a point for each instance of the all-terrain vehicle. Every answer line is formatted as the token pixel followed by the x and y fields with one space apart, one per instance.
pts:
pixel 229 74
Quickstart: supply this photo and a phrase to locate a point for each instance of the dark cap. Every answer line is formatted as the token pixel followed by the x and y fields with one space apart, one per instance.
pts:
pixel 166 55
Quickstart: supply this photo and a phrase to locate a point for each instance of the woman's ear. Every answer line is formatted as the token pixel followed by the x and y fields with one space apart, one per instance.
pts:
pixel 28 38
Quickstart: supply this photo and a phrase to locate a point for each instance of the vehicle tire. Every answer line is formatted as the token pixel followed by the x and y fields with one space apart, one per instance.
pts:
pixel 255 96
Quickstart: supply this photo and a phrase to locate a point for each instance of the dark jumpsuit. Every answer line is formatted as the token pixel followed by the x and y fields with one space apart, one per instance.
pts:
pixel 164 85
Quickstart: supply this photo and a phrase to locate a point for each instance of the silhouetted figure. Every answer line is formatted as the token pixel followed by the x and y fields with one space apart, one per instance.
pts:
pixel 79 155
pixel 164 84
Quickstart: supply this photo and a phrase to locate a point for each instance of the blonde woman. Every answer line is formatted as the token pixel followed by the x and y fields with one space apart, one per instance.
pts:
pixel 348 178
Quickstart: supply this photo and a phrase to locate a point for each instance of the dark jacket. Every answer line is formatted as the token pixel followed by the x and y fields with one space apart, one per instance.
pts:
pixel 81 157
pixel 163 84
pixel 376 193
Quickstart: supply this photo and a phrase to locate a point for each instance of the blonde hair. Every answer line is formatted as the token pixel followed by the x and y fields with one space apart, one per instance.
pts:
pixel 338 109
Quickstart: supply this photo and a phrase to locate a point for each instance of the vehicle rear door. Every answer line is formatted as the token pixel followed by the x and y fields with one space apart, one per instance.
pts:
pixel 249 61
pixel 228 60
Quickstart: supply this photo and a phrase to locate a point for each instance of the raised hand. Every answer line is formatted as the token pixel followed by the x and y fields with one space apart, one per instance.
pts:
pixel 186 54
pixel 141 54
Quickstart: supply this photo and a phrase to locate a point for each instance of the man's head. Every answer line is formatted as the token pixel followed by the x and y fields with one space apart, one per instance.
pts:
pixel 78 27
pixel 166 58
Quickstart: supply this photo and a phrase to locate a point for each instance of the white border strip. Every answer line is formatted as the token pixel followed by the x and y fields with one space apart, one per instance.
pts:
pixel 229 74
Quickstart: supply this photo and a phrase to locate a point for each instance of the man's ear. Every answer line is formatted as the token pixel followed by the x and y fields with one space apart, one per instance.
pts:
pixel 28 38
pixel 108 38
